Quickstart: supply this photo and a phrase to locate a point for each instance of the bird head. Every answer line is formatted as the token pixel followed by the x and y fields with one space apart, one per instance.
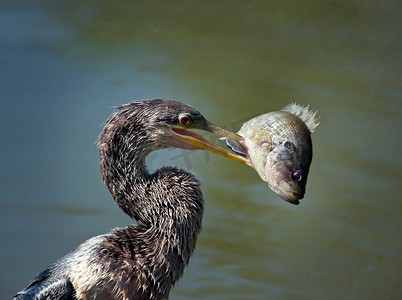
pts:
pixel 170 123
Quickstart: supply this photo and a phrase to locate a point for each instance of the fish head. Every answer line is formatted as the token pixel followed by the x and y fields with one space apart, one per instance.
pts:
pixel 278 146
pixel 287 168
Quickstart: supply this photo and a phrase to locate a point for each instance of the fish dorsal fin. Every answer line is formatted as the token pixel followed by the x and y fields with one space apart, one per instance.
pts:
pixel 305 114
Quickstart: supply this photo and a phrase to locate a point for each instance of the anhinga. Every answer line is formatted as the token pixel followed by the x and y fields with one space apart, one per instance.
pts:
pixel 141 261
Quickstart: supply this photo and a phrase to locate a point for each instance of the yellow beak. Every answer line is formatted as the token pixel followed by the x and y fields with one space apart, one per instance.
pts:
pixel 197 140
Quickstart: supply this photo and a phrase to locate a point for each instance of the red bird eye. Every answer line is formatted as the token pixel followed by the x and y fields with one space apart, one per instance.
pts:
pixel 184 120
pixel 297 176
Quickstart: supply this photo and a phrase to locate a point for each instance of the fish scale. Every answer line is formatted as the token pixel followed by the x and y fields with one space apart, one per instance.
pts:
pixel 278 145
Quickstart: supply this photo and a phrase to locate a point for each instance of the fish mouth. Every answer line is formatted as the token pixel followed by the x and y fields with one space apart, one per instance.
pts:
pixel 293 199
pixel 197 141
pixel 288 193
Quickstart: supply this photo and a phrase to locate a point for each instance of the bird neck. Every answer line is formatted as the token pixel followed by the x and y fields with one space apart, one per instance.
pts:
pixel 169 202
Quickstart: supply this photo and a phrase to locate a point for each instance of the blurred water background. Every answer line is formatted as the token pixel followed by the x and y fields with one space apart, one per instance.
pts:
pixel 66 64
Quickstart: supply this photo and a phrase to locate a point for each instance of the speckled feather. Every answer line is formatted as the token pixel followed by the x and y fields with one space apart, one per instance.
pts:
pixel 139 261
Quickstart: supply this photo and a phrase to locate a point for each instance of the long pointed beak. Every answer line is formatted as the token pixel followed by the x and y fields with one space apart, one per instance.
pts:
pixel 197 140
pixel 222 132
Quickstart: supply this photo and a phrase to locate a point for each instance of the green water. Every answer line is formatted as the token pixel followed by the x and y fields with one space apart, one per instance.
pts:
pixel 65 65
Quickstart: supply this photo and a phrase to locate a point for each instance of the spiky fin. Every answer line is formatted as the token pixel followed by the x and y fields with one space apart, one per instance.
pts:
pixel 305 114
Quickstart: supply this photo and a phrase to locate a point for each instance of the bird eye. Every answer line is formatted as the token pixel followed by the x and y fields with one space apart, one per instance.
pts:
pixel 185 120
pixel 288 145
pixel 297 176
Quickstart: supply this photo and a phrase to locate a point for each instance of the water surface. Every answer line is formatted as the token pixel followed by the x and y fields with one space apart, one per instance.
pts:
pixel 65 65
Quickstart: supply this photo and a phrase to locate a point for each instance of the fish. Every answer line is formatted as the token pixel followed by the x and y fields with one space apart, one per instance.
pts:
pixel 278 146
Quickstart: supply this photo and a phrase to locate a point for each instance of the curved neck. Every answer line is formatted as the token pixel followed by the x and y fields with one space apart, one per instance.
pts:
pixel 122 163
pixel 169 202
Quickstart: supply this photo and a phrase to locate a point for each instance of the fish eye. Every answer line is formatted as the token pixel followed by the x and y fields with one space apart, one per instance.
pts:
pixel 185 120
pixel 297 176
pixel 288 145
